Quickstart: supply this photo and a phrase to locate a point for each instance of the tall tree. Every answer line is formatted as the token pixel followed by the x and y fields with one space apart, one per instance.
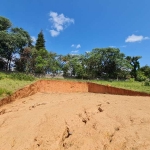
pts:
pixel 23 64
pixel 134 61
pixel 12 40
pixel 40 42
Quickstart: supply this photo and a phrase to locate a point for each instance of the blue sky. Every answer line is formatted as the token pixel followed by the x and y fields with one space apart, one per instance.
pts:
pixel 77 26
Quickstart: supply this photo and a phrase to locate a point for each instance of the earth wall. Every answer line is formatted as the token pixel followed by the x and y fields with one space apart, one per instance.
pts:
pixel 97 88
pixel 50 86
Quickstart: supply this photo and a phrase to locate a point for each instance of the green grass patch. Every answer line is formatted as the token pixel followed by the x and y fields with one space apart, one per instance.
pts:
pixel 4 92
pixel 10 82
pixel 21 76
pixel 8 86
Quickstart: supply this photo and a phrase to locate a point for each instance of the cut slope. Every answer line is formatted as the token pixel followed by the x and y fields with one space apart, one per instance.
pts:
pixel 50 86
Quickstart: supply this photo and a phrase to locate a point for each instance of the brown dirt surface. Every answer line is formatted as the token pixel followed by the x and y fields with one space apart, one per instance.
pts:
pixel 76 121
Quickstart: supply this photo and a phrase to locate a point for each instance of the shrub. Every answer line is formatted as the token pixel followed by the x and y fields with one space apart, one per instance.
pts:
pixel 141 76
pixel 22 76
pixel 147 83
pixel 131 79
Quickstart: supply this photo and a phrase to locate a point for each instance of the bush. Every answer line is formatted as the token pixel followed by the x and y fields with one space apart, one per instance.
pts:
pixel 141 76
pixel 131 79
pixel 22 76
pixel 147 83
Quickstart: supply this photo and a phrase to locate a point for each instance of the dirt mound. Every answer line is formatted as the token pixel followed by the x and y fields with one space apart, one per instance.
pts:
pixel 75 121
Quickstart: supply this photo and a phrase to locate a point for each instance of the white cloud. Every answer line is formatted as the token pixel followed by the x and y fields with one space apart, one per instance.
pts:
pixel 54 33
pixel 72 45
pixel 33 38
pixel 78 46
pixel 59 23
pixel 136 38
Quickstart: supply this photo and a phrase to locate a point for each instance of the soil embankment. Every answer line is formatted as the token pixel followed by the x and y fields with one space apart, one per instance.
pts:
pixel 50 86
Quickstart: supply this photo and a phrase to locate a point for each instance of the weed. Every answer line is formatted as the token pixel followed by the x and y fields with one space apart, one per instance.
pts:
pixel 22 76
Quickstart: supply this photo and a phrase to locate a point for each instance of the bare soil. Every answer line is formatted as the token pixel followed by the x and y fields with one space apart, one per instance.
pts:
pixel 76 121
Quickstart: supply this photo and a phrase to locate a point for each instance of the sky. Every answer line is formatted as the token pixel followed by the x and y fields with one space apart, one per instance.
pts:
pixel 78 26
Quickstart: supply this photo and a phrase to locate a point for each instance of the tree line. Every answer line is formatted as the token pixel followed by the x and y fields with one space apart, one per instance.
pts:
pixel 105 63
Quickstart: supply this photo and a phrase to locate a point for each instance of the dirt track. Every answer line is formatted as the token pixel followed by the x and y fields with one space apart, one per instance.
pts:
pixel 76 121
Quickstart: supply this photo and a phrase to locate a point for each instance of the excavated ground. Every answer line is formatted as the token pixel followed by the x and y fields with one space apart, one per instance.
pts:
pixel 76 121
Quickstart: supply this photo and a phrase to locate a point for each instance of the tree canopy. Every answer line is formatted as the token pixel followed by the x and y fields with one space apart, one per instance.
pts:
pixel 12 40
pixel 4 23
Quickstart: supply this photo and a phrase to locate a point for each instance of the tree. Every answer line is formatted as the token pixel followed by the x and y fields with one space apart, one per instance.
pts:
pixel 41 61
pixel 100 62
pixel 106 62
pixel 40 42
pixel 54 64
pixel 146 71
pixel 23 64
pixel 2 63
pixel 135 65
pixel 12 41
pixel 4 23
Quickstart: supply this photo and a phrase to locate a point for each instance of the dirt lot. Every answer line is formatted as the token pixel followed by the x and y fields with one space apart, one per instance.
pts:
pixel 76 121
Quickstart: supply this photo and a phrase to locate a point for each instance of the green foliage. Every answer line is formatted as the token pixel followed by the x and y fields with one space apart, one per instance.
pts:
pixel 4 23
pixel 108 61
pixel 1 77
pixel 2 91
pixel 12 41
pixel 147 83
pixel 2 63
pixel 131 79
pixel 146 71
pixel 135 65
pixel 9 85
pixel 141 76
pixel 21 76
pixel 40 42
pixel 41 61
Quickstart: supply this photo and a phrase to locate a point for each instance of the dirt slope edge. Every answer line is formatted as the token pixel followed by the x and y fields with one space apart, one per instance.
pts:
pixel 65 87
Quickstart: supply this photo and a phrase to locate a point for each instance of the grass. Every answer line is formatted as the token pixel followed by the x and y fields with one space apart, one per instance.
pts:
pixel 9 85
